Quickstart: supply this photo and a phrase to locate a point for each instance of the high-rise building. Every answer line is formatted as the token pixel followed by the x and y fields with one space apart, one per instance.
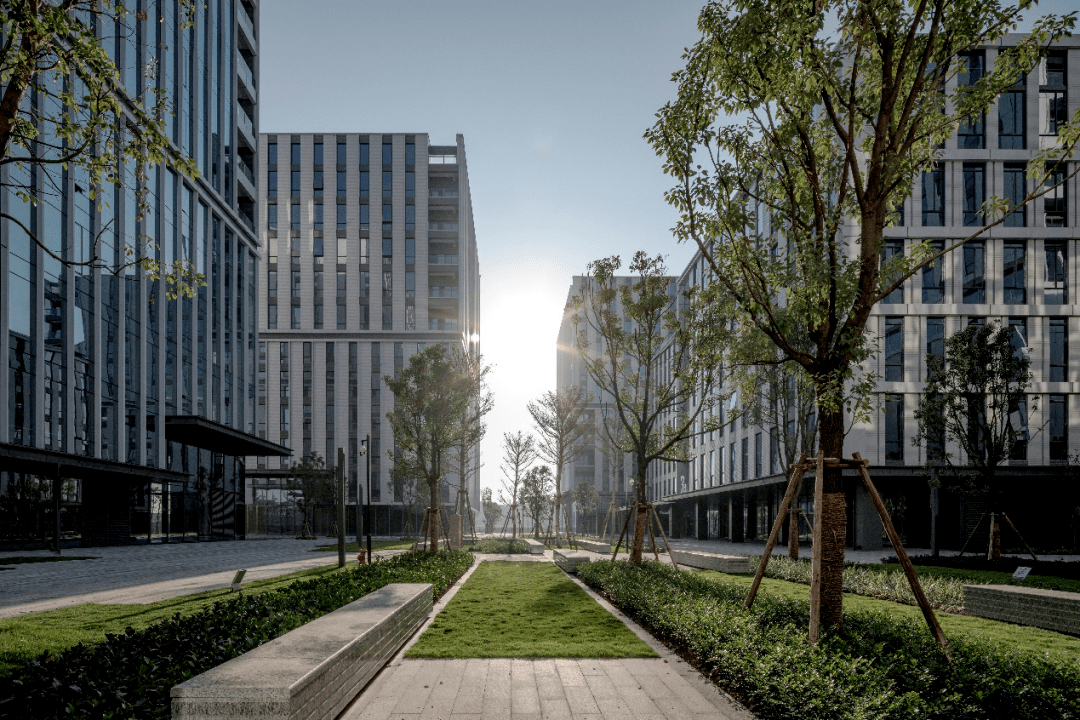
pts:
pixel 129 412
pixel 1021 274
pixel 370 256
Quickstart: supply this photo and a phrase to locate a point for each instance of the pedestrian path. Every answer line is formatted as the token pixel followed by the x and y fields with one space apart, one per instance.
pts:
pixel 149 573
pixel 663 688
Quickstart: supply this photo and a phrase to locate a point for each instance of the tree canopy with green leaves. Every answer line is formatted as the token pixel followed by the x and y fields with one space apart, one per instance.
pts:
pixel 562 423
pixel 536 494
pixel 66 108
pixel 796 134
pixel 973 415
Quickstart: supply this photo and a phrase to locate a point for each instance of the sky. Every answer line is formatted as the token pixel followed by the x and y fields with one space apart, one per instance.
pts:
pixel 552 99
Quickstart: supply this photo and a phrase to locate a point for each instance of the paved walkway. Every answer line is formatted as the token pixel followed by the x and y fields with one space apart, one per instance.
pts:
pixel 663 688
pixel 148 573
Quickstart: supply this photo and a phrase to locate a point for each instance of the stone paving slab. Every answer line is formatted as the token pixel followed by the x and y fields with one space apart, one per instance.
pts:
pixel 663 688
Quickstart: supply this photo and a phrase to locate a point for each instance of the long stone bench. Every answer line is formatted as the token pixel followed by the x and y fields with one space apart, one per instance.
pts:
pixel 313 671
pixel 712 561
pixel 604 548
pixel 1050 609
pixel 569 560
pixel 535 546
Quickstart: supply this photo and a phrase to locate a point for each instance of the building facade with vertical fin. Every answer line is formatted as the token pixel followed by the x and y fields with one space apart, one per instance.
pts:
pixel 370 256
pixel 128 412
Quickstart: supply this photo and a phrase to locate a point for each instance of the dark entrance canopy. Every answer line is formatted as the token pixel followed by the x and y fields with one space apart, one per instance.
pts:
pixel 51 463
pixel 209 435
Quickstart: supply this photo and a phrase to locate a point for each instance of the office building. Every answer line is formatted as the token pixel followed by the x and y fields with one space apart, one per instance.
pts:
pixel 371 256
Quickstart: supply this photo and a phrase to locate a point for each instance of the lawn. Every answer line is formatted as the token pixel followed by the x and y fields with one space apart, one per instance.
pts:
pixel 982 577
pixel 1017 637
pixel 376 545
pixel 525 610
pixel 28 636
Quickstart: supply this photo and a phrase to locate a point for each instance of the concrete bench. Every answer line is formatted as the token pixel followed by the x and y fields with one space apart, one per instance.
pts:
pixel 712 561
pixel 1049 609
pixel 568 560
pixel 604 548
pixel 535 546
pixel 313 671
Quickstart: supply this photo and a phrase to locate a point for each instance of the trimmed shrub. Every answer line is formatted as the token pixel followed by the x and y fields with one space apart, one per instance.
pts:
pixel 499 547
pixel 875 667
pixel 130 675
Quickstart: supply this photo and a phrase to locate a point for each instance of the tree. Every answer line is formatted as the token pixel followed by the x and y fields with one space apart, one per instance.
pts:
pixel 655 364
pixel 561 423
pixel 65 108
pixel 796 134
pixel 492 510
pixel 976 401
pixel 473 429
pixel 586 497
pixel 431 396
pixel 536 489
pixel 311 484
pixel 519 453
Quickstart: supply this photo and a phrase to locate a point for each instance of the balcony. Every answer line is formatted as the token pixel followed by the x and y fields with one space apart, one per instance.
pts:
pixel 247 27
pixel 434 225
pixel 245 128
pixel 247 79
pixel 442 259
pixel 245 180
pixel 447 291
pixel 442 192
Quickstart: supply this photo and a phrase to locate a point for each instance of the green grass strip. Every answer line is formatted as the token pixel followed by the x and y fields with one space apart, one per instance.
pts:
pixel 1019 638
pixel 525 610
pixel 376 545
pixel 28 636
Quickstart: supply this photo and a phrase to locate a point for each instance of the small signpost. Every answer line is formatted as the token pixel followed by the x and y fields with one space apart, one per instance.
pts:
pixel 237 579
pixel 1021 573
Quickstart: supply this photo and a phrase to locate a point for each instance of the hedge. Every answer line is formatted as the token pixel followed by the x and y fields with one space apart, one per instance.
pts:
pixel 130 675
pixel 875 667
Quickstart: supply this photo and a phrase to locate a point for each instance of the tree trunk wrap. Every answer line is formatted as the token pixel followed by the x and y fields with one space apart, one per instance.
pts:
pixel 639 536
pixel 833 535
pixel 793 531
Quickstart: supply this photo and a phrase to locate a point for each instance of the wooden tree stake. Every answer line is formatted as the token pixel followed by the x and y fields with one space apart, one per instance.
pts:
pixel 660 527
pixel 631 511
pixel 1022 540
pixel 796 477
pixel 815 577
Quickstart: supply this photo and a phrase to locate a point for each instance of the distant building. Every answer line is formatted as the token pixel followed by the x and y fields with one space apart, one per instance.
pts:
pixel 140 409
pixel 370 256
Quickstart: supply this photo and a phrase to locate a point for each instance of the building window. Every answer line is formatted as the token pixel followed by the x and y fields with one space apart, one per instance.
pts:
pixel 365 183
pixel 295 153
pixel 294 183
pixel 318 217
pixel 295 320
pixel 365 283
pixel 341 183
pixel 410 251
pixel 933 197
pixel 271 284
pixel 731 463
pixel 974 193
pixel 387 218
pixel 271 317
pixel 388 284
pixel 894 349
pixel 1015 192
pixel 1018 418
pixel 387 251
pixel 410 217
pixel 318 316
pixel 1055 203
pixel 1053 96
pixel 271 152
pixel 294 216
pixel 271 217
pixel 364 153
pixel 894 248
pixel 365 217
pixel 387 185
pixel 342 216
pixel 387 318
pixel 933 276
pixel 410 184
pixel 1012 125
pixel 935 342
pixel 294 282
pixel 1059 349
pixel 410 153
pixel 1059 428
pixel 971 134
pixel 894 428
pixel 1013 272
pixel 974 272
pixel 774 451
pixel 745 458
pixel 365 317
pixel 271 183
pixel 387 153
pixel 1019 335
pixel 1055 287
pixel 758 468
pixel 317 152
pixel 410 284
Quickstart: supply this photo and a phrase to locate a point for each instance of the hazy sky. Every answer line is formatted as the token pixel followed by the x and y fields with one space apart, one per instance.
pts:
pixel 552 99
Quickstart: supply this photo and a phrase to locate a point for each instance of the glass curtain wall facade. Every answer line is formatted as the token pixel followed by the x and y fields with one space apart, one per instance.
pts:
pixel 346 300
pixel 99 360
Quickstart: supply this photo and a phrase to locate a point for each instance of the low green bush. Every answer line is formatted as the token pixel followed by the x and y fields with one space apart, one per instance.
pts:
pixel 886 583
pixel 499 546
pixel 130 675
pixel 875 667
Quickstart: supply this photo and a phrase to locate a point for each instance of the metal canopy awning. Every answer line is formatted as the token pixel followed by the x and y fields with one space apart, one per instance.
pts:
pixel 51 463
pixel 209 435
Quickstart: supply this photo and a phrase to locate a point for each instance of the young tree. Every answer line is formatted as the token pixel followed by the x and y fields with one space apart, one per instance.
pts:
pixel 562 424
pixel 431 396
pixel 795 137
pixel 976 401
pixel 586 497
pixel 65 107
pixel 473 429
pixel 519 453
pixel 492 510
pixel 312 485
pixel 536 488
pixel 655 364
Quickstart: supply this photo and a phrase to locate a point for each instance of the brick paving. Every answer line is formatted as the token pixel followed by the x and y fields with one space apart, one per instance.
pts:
pixel 663 688
pixel 149 573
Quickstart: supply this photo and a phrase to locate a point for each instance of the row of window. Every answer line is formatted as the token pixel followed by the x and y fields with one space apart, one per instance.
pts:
pixel 318 218
pixel 973 283
pixel 318 188
pixel 318 152
pixel 1052 206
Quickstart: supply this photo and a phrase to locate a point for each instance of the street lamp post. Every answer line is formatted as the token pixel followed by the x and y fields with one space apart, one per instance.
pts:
pixel 367 506
pixel 359 499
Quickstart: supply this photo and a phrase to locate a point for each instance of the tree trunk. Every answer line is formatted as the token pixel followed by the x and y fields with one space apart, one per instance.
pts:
pixel 638 546
pixel 995 537
pixel 433 511
pixel 513 519
pixel 832 516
